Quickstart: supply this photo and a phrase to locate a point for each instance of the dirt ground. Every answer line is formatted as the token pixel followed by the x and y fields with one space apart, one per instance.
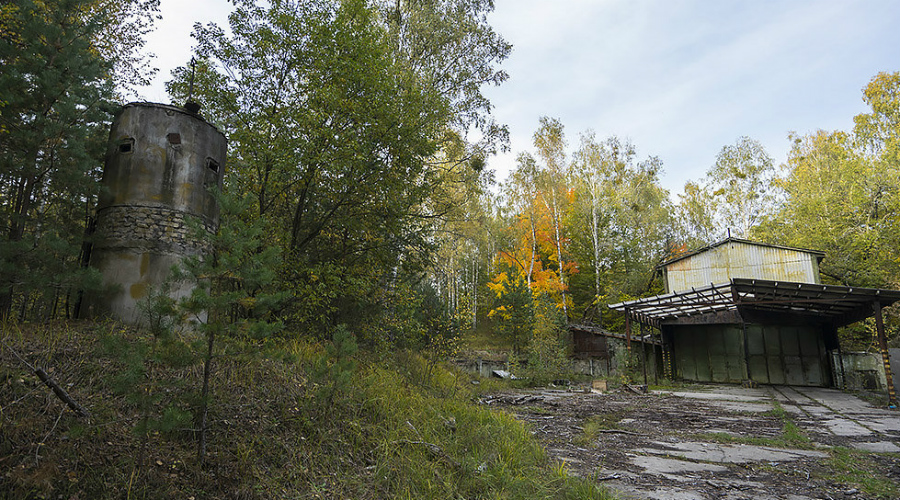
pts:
pixel 675 446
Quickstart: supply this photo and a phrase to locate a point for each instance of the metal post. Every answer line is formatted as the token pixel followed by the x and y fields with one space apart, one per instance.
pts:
pixel 608 356
pixel 841 361
pixel 885 354
pixel 669 354
pixel 746 350
pixel 628 328
pixel 655 367
pixel 643 353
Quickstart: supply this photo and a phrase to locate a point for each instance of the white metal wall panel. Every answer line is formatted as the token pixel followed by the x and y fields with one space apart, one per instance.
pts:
pixel 741 260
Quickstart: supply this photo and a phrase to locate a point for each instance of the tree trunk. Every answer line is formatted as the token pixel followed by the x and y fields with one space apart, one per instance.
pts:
pixel 533 247
pixel 204 397
pixel 553 207
pixel 595 237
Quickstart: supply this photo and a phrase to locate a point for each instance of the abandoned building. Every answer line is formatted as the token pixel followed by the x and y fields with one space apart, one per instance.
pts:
pixel 161 161
pixel 739 311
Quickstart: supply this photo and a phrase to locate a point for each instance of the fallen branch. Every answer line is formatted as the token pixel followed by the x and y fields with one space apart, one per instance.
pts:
pixel 49 382
pixel 636 390
pixel 618 431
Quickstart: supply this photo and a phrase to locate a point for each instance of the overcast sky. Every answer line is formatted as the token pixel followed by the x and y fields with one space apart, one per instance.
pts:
pixel 679 78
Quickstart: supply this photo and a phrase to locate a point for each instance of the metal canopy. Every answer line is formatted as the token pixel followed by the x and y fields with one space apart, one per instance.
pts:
pixel 839 305
pixel 597 330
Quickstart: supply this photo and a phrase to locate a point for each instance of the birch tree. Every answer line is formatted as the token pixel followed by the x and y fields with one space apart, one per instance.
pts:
pixel 741 180
pixel 550 142
pixel 593 169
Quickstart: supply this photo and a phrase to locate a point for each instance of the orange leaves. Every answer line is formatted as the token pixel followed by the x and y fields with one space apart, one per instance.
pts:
pixel 544 282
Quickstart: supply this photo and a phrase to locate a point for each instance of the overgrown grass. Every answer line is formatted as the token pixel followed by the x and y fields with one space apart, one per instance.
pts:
pixel 857 468
pixel 282 427
pixel 791 434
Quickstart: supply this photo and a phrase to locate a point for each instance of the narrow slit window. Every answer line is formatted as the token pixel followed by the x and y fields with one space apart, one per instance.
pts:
pixel 212 165
pixel 126 146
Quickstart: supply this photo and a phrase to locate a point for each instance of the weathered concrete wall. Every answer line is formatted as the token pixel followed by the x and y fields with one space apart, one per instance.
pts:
pixel 160 163
pixel 158 229
pixel 593 367
pixel 483 367
pixel 861 371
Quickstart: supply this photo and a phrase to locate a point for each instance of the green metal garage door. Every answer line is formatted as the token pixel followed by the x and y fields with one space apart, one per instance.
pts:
pixel 709 353
pixel 789 355
pixel 781 355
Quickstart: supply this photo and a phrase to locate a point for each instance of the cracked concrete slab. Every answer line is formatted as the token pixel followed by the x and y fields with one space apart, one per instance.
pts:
pixel 845 427
pixel 748 407
pixel 668 466
pixel 793 409
pixel 667 494
pixel 816 410
pixel 628 492
pixel 842 414
pixel 835 400
pixel 878 447
pixel 658 441
pixel 789 394
pixel 730 453
pixel 720 396
pixel 883 424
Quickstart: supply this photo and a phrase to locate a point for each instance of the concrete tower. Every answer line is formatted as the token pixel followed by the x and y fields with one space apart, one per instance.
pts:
pixel 160 162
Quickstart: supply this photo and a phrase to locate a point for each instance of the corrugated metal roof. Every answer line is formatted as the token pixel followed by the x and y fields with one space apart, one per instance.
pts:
pixel 817 253
pixel 741 259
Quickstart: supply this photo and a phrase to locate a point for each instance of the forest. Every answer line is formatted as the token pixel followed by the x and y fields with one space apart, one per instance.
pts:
pixel 363 238
pixel 352 163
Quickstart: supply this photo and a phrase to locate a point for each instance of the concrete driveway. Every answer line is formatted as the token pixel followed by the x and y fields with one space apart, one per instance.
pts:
pixel 720 442
pixel 830 416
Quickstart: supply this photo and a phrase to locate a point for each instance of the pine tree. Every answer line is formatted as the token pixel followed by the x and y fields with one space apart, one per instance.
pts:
pixel 231 296
pixel 53 90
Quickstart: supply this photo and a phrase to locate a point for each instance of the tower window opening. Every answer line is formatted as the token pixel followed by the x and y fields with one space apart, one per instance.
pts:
pixel 174 138
pixel 212 165
pixel 126 145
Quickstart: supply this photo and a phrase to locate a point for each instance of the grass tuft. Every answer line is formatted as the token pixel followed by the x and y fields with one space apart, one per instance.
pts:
pixel 593 426
pixel 857 468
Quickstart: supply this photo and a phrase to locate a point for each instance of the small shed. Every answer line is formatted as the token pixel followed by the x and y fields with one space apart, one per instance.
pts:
pixel 759 318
